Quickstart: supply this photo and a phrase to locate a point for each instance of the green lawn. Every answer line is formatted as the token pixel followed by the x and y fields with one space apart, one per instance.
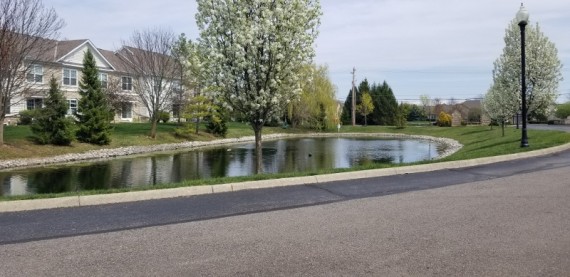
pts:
pixel 478 141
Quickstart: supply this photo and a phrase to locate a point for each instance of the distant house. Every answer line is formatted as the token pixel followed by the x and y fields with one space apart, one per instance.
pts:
pixel 65 62
pixel 465 108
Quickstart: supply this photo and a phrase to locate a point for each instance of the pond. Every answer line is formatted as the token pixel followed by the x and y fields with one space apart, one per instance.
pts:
pixel 279 156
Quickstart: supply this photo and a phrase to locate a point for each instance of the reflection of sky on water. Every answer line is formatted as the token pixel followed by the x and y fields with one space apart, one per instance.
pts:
pixel 290 155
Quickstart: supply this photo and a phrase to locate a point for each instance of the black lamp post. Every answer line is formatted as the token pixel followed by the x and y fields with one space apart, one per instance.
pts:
pixel 522 18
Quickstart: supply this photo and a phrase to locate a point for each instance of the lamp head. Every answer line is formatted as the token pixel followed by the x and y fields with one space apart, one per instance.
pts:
pixel 522 15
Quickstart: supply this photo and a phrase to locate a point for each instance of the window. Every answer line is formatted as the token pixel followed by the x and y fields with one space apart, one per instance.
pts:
pixel 69 77
pixel 104 79
pixel 127 83
pixel 127 110
pixel 71 106
pixel 36 74
pixel 34 103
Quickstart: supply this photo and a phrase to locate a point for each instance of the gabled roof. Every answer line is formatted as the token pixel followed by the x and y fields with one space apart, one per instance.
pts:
pixel 115 60
pixel 67 51
pixel 64 48
pixel 68 48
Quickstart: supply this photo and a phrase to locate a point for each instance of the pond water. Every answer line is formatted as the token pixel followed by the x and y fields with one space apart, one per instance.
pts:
pixel 285 155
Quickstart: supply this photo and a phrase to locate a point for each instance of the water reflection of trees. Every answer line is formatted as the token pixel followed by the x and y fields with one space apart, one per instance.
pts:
pixel 51 181
pixel 292 155
pixel 218 162
pixel 96 177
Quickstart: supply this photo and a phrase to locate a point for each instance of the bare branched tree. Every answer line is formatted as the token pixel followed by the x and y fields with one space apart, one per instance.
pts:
pixel 116 96
pixel 148 55
pixel 27 30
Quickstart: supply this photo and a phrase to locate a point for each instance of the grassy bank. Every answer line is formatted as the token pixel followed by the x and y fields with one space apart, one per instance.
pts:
pixel 478 142
pixel 18 142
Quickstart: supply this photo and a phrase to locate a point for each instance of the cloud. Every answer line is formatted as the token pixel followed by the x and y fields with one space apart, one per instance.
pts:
pixel 443 48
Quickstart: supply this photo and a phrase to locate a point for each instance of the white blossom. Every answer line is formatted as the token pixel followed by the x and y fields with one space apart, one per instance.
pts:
pixel 543 74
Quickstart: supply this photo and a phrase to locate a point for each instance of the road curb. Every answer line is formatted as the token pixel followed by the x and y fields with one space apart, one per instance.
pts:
pixel 101 199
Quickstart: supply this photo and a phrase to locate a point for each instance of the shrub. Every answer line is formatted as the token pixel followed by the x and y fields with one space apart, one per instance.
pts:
pixel 444 120
pixel 563 110
pixel 163 116
pixel 217 125
pixel 27 116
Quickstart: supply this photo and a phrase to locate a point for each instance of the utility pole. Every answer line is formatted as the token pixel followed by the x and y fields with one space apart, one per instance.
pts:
pixel 353 97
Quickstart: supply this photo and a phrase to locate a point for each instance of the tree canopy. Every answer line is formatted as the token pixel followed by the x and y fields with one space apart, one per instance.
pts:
pixel 543 73
pixel 255 51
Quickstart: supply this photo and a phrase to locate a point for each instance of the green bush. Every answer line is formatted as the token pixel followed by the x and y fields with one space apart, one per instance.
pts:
pixel 217 125
pixel 563 110
pixel 444 119
pixel 27 116
pixel 163 116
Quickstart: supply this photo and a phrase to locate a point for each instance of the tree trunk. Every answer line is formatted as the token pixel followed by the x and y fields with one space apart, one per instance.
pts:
pixel 503 127
pixel 197 124
pixel 258 149
pixel 365 121
pixel 1 131
pixel 154 123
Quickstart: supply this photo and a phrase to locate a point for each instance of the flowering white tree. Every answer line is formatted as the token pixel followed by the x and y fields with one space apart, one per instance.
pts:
pixel 543 72
pixel 255 51
pixel 499 105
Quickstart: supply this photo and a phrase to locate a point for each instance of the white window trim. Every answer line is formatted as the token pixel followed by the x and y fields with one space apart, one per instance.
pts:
pixel 130 119
pixel 63 77
pixel 33 68
pixel 101 74
pixel 34 98
pixel 69 112
pixel 122 82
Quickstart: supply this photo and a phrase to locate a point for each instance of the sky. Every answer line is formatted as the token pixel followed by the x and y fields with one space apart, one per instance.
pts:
pixel 441 48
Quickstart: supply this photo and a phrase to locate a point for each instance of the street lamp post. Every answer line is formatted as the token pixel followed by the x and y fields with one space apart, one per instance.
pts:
pixel 522 18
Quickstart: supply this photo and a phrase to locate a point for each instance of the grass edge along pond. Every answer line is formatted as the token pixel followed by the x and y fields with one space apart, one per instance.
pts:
pixel 478 142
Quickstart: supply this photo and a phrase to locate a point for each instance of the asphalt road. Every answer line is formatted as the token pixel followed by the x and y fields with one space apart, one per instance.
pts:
pixel 510 218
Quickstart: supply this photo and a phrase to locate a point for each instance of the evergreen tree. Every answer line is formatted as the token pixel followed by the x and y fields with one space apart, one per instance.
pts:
pixel 51 125
pixel 401 116
pixel 94 112
pixel 385 103
pixel 346 117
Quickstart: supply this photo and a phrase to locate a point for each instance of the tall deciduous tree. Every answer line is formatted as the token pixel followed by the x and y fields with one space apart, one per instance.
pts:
pixel 26 28
pixel 499 105
pixel 365 107
pixel 148 55
pixel 51 126
pixel 255 52
pixel 198 107
pixel 94 112
pixel 317 107
pixel 543 69
pixel 425 101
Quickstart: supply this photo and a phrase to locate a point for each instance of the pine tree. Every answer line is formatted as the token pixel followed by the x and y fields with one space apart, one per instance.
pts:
pixel 51 126
pixel 94 112
pixel 385 103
